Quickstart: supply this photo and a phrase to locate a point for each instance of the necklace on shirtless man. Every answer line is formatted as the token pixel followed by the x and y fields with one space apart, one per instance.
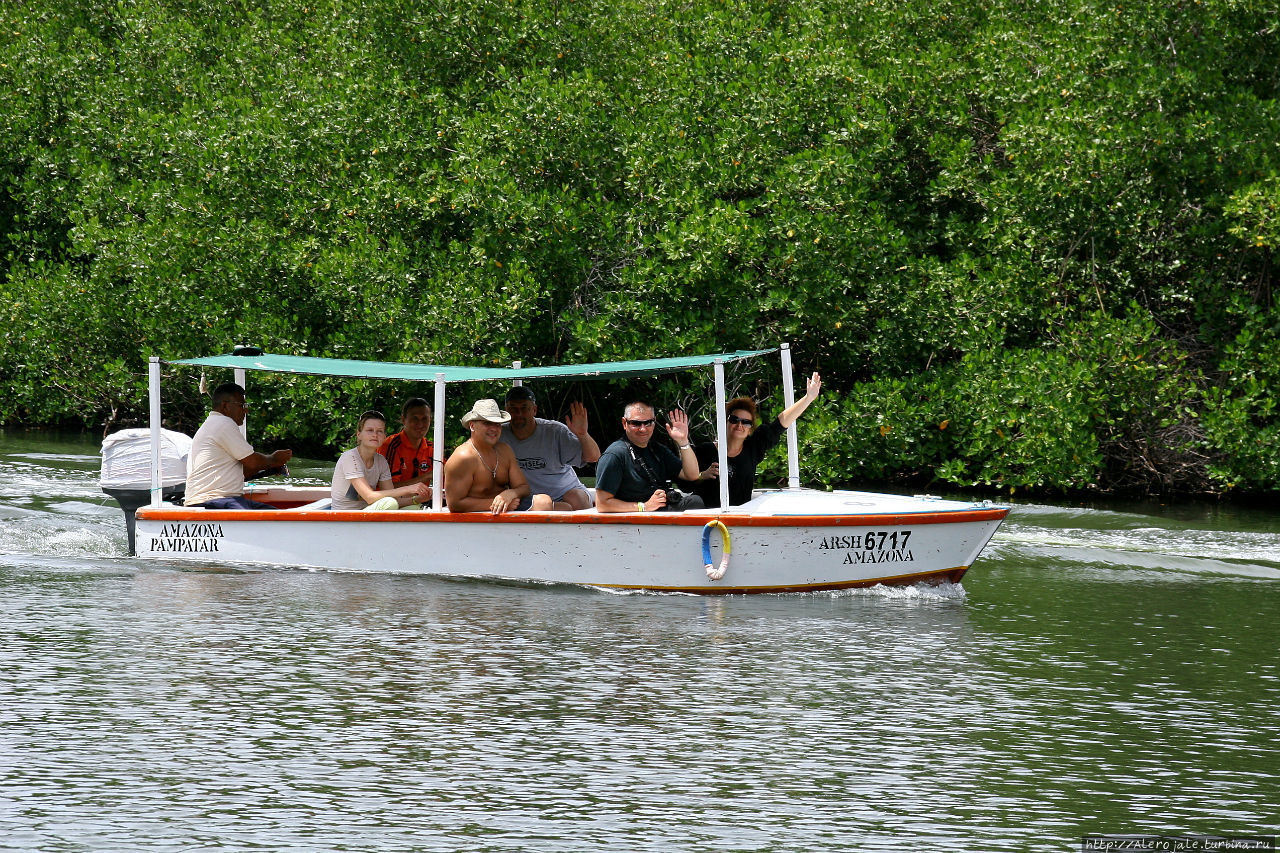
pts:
pixel 493 472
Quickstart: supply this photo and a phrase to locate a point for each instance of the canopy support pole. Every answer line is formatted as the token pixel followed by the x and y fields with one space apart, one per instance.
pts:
pixel 437 455
pixel 153 396
pixel 722 437
pixel 241 379
pixel 515 365
pixel 789 399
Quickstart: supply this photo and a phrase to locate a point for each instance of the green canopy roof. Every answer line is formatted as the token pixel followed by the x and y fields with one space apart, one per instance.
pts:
pixel 428 372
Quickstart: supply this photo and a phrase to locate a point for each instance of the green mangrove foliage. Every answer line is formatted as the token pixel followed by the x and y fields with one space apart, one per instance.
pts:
pixel 1029 245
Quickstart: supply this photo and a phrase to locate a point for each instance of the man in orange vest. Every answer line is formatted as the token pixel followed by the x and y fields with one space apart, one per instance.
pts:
pixel 409 451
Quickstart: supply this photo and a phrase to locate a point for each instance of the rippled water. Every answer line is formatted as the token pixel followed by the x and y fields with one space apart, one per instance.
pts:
pixel 1099 671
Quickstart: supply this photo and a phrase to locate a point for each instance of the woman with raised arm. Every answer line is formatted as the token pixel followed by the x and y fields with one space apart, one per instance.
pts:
pixel 747 446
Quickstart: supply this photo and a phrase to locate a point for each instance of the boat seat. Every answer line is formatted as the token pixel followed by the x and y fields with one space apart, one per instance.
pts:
pixel 322 503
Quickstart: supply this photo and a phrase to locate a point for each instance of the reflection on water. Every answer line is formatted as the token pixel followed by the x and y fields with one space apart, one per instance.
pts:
pixel 1097 672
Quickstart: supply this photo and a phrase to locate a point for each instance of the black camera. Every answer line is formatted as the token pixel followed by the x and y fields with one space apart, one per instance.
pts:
pixel 679 501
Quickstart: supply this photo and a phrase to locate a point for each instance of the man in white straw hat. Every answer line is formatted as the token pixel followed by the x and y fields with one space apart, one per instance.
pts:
pixel 482 475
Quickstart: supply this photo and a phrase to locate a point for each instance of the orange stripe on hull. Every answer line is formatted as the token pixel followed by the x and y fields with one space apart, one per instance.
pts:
pixel 689 519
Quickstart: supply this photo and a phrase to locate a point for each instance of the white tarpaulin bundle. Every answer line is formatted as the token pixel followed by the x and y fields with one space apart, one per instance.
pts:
pixel 126 459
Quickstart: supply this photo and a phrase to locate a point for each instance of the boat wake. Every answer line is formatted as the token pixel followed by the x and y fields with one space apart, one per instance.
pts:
pixel 1131 544
pixel 50 505
pixel 921 593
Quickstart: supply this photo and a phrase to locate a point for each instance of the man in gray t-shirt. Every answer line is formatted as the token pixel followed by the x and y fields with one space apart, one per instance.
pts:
pixel 548 451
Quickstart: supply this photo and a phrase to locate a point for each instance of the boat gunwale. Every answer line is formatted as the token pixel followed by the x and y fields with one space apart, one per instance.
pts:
pixel 689 519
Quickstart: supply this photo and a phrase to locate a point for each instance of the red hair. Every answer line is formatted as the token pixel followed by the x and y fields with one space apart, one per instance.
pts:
pixel 743 403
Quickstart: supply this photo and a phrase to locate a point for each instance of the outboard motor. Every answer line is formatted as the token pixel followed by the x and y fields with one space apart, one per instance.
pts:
pixel 126 470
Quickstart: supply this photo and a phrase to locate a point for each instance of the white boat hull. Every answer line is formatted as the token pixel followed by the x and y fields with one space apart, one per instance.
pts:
pixel 780 542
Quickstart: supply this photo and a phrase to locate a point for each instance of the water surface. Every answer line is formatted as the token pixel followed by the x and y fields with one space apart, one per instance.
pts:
pixel 1100 670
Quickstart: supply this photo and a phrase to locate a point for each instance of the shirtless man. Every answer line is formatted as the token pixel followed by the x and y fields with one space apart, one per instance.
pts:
pixel 482 475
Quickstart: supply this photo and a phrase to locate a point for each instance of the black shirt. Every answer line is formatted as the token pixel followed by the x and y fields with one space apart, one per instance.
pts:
pixel 742 468
pixel 631 473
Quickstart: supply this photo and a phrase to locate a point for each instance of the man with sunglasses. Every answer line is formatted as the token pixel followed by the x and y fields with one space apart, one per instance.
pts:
pixel 634 474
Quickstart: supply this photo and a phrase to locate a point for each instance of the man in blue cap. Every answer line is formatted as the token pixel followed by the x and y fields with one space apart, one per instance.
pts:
pixel 548 451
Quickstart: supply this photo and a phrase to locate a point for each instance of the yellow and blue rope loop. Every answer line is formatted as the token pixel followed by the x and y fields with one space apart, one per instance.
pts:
pixel 713 572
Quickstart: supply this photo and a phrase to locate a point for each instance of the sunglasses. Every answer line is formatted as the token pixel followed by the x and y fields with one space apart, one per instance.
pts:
pixel 734 419
pixel 641 424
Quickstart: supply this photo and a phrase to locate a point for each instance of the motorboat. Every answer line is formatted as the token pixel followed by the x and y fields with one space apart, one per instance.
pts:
pixel 784 540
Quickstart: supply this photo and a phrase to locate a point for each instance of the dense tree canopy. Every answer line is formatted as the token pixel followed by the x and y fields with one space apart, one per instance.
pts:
pixel 1029 245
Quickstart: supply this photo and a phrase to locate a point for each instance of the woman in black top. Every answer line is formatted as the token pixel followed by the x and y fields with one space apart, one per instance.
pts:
pixel 747 446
